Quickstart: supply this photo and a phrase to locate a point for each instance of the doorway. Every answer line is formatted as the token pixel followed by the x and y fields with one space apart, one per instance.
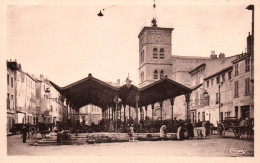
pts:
pixel 245 112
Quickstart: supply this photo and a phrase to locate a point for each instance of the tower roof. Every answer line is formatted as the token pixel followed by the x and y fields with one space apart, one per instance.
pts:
pixel 154 28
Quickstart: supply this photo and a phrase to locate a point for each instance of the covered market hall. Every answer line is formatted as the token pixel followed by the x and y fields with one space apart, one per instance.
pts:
pixel 111 99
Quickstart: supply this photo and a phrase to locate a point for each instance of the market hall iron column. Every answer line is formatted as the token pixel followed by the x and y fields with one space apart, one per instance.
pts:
pixel 161 106
pixel 124 105
pixel 145 111
pixel 136 109
pixel 129 111
pixel 187 97
pixel 152 112
pixel 172 103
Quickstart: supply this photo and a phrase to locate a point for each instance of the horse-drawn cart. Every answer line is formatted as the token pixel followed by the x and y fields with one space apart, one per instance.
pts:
pixel 43 129
pixel 238 127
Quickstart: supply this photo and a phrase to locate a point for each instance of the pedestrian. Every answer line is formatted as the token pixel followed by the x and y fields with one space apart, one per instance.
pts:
pixel 24 133
pixel 180 131
pixel 162 131
pixel 131 131
pixel 190 129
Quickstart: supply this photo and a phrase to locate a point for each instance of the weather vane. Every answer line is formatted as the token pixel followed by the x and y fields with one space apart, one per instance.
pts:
pixel 154 21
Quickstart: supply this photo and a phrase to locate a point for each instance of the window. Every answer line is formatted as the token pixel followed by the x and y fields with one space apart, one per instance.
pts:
pixel 236 69
pixel 223 77
pixel 247 86
pixel 12 82
pixel 229 75
pixel 201 101
pixel 162 74
pixel 8 79
pixel 155 53
pixel 236 89
pixel 207 100
pixel 155 74
pixel 161 53
pixel 142 57
pixel 198 116
pixel 227 114
pixel 142 76
pixel 212 82
pixel 217 79
pixel 217 98
pixel 221 116
pixel 247 64
pixel 208 83
pixel 203 116
pixel 51 109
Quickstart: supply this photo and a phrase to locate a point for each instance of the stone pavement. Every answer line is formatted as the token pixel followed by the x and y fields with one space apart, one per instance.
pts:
pixel 212 146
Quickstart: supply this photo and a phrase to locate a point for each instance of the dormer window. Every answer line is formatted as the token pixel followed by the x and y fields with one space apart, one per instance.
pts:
pixel 155 53
pixel 161 53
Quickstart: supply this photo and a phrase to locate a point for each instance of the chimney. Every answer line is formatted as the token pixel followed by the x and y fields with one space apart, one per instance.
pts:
pixel 221 56
pixel 249 43
pixel 118 81
pixel 41 77
pixel 213 55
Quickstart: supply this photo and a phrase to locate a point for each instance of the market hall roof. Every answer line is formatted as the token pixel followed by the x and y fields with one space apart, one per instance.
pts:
pixel 88 91
pixel 94 91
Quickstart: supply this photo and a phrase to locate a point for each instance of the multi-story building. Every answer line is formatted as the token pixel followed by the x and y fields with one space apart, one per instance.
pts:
pixel 21 101
pixel 11 94
pixel 226 90
pixel 26 100
pixel 212 101
pixel 242 86
pixel 49 105
pixel 212 76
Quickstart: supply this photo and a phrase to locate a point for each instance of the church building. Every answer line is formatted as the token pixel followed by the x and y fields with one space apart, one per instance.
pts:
pixel 156 62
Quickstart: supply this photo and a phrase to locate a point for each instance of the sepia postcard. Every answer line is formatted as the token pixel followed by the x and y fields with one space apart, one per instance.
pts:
pixel 124 81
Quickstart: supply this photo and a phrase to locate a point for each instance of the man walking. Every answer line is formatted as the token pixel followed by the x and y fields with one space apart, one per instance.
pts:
pixel 24 133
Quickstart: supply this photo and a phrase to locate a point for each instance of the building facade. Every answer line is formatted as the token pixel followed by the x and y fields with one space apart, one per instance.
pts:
pixel 11 94
pixel 242 87
pixel 21 100
pixel 49 106
pixel 220 80
pixel 90 114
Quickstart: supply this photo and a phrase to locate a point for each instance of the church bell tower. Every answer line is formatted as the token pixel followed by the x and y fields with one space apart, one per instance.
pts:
pixel 155 46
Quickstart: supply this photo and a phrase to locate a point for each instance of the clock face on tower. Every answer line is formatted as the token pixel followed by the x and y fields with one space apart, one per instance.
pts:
pixel 158 38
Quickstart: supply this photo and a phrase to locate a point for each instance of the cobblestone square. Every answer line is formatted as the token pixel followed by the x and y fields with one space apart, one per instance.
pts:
pixel 213 146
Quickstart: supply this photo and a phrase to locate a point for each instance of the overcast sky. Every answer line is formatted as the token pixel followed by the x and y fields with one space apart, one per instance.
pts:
pixel 66 43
